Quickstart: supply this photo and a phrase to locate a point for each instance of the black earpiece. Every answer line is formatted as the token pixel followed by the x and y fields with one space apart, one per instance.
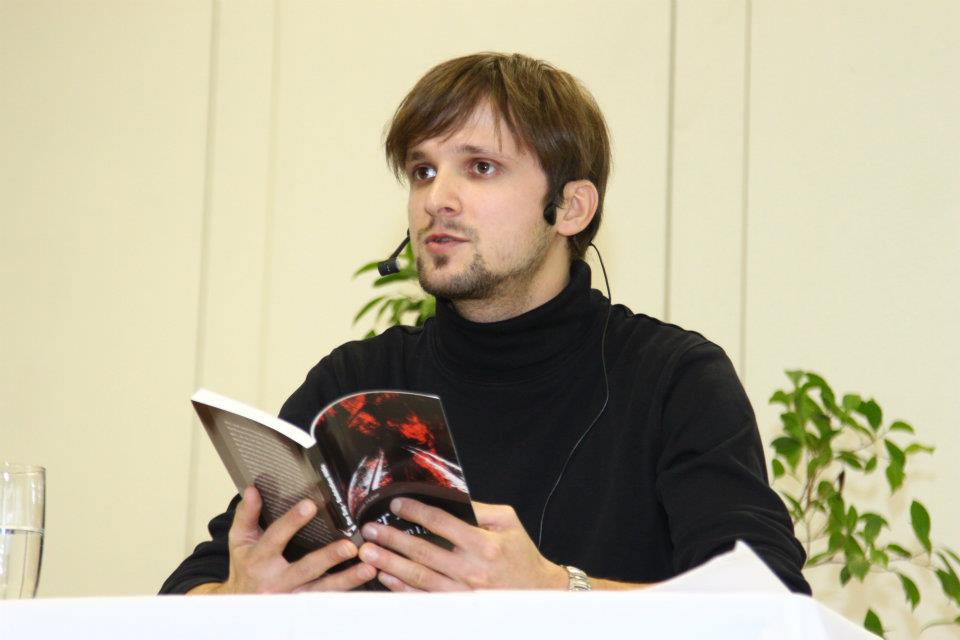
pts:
pixel 550 214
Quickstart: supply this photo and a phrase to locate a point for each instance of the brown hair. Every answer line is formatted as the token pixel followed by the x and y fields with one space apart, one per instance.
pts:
pixel 547 110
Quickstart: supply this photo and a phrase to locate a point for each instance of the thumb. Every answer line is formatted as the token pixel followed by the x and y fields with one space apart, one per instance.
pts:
pixel 246 526
pixel 495 516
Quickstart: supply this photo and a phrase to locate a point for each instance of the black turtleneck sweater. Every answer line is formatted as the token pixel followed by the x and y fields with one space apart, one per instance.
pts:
pixel 671 474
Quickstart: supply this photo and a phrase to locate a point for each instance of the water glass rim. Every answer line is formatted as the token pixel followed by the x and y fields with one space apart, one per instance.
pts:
pixel 18 468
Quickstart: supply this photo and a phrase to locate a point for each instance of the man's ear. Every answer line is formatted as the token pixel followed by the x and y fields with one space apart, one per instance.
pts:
pixel 580 200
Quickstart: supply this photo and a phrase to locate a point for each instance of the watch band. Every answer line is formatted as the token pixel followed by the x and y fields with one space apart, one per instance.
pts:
pixel 577 579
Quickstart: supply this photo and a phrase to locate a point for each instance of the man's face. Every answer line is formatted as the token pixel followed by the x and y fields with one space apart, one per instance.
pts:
pixel 476 212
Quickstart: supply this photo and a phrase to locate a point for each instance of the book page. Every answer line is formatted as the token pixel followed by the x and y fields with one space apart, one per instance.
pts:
pixel 283 476
pixel 263 451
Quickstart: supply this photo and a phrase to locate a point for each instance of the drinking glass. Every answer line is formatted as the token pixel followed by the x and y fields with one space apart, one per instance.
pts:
pixel 21 528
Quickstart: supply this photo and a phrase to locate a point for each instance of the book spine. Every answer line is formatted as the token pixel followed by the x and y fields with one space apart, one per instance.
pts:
pixel 340 502
pixel 349 527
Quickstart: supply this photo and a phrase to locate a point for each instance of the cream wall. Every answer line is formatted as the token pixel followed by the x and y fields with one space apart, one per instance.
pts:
pixel 186 187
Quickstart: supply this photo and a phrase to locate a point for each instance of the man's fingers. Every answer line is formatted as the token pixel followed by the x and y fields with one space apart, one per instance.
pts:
pixel 316 563
pixel 395 584
pixel 349 578
pixel 278 534
pixel 413 548
pixel 436 521
pixel 245 518
pixel 411 573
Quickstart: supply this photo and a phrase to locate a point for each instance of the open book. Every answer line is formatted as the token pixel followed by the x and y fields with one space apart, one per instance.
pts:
pixel 362 451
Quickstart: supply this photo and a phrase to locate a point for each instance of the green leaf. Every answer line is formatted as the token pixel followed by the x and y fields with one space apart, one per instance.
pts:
pixel 899 425
pixel 897 549
pixel 895 476
pixel 896 453
pixel 850 459
pixel 920 520
pixel 946 564
pixel 825 390
pixel 879 557
pixel 780 397
pixel 363 310
pixel 807 408
pixel 370 266
pixel 852 518
pixel 789 448
pixel 859 566
pixel 795 377
pixel 871 464
pixel 916 447
pixel 950 584
pixel 825 489
pixel 778 469
pixel 871 623
pixel 953 555
pixel 872 412
pixel 818 558
pixel 851 402
pixel 792 426
pixel 909 590
pixel 385 306
pixel 836 542
pixel 428 307
pixel 844 576
pixel 872 526
pixel 817 463
pixel 391 278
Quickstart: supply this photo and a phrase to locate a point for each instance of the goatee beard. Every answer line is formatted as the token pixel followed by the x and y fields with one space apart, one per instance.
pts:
pixel 477 282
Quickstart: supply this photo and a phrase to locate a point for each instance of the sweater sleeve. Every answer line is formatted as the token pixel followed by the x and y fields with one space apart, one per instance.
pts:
pixel 711 472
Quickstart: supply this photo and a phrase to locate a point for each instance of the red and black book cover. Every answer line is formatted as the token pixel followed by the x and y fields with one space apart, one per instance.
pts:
pixel 384 444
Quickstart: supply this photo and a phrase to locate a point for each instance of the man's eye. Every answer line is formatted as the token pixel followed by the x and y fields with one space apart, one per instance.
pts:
pixel 423 173
pixel 483 167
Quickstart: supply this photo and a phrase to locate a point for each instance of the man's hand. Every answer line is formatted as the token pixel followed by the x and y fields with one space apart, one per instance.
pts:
pixel 496 555
pixel 258 566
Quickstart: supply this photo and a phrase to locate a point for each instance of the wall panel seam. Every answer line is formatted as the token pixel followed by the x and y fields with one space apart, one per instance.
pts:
pixel 270 205
pixel 668 203
pixel 204 267
pixel 745 184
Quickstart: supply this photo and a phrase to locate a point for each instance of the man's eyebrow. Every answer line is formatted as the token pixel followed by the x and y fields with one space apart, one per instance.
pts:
pixel 416 155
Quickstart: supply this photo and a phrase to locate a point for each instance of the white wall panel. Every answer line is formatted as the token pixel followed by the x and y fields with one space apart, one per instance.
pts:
pixel 706 214
pixel 238 201
pixel 854 259
pixel 102 126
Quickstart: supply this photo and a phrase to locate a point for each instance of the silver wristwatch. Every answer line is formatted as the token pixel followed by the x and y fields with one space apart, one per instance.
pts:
pixel 577 579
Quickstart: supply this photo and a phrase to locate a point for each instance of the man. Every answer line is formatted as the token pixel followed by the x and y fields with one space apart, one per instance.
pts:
pixel 592 437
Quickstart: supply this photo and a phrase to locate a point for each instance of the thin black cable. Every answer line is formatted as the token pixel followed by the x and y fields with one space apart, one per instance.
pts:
pixel 603 407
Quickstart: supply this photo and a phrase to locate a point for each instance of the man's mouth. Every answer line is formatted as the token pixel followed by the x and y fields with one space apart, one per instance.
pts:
pixel 441 242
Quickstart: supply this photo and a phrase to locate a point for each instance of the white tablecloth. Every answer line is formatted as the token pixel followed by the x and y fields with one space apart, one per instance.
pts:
pixel 480 615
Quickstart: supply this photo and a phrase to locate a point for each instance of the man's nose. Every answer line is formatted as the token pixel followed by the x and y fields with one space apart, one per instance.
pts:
pixel 443 195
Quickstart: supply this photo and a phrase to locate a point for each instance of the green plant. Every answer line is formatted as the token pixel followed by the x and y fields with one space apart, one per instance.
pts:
pixel 403 305
pixel 824 446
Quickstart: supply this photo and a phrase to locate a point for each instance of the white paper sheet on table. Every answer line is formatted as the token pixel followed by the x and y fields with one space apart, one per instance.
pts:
pixel 742 570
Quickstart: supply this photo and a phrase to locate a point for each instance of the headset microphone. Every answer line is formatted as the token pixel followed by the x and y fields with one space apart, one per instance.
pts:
pixel 391 264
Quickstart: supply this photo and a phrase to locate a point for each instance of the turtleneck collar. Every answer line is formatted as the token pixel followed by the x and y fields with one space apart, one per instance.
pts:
pixel 523 347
